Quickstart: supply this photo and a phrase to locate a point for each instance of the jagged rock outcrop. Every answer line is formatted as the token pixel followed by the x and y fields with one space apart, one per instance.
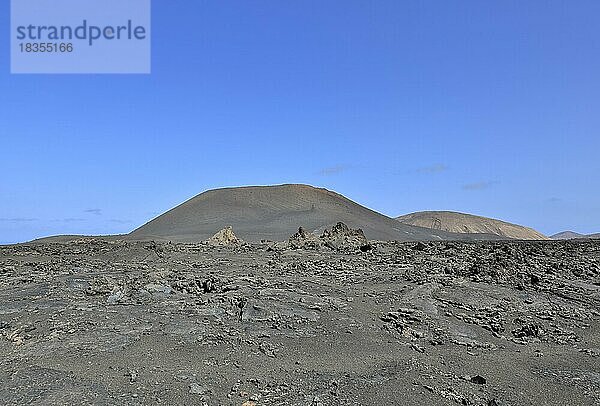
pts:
pixel 303 239
pixel 338 237
pixel 225 236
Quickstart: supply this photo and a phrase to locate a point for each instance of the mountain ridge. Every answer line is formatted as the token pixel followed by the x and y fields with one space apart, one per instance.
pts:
pixel 457 222
pixel 571 235
pixel 275 212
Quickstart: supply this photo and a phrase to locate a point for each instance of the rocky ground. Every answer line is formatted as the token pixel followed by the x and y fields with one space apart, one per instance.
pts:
pixel 141 323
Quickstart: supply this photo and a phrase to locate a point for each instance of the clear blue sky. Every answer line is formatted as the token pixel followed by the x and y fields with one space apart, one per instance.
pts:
pixel 485 107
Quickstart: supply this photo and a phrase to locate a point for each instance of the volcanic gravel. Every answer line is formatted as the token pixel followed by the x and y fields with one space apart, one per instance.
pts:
pixel 143 323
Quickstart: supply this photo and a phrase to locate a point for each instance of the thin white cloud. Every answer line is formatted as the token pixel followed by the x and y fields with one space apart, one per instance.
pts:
pixel 333 170
pixel 436 168
pixel 120 221
pixel 70 220
pixel 97 212
pixel 478 185
pixel 17 220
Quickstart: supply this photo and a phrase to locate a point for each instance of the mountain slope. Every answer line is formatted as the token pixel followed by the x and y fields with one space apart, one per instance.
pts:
pixel 275 213
pixel 567 235
pixel 468 223
pixel 570 235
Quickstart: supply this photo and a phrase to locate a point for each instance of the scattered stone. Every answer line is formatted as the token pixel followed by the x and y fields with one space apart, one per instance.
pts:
pixel 208 285
pixel 316 401
pixel 478 380
pixel 420 246
pixel 115 297
pixel 528 330
pixel 417 348
pixel 268 349
pixel 156 288
pixel 133 376
pixel 197 389
pixel 217 315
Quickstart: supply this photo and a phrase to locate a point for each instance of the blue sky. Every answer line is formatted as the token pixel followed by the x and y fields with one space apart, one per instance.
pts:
pixel 491 108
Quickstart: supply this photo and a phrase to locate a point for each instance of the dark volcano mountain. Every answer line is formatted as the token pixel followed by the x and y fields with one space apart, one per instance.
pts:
pixel 276 212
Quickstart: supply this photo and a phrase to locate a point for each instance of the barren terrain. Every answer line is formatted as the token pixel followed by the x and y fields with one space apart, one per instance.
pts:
pixel 143 323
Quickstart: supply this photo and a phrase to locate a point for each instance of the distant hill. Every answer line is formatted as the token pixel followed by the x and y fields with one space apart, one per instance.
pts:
pixel 571 235
pixel 66 238
pixel 567 235
pixel 275 213
pixel 467 223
